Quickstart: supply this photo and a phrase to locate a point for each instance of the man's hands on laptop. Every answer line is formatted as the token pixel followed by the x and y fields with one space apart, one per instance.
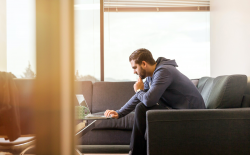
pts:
pixel 111 113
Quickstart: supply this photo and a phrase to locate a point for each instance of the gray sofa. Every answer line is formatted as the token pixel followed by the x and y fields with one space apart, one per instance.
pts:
pixel 223 128
pixel 215 128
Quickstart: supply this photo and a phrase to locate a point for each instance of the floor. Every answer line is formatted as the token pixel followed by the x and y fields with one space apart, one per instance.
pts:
pixel 5 153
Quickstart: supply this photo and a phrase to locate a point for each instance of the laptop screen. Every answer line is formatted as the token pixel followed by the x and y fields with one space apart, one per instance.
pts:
pixel 81 100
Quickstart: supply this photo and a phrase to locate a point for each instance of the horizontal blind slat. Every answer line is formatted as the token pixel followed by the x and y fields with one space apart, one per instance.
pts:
pixel 153 3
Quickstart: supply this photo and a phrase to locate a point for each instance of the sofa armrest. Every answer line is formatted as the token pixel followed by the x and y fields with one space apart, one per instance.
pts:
pixel 206 131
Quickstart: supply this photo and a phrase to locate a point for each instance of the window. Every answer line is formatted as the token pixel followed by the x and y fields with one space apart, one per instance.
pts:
pixel 87 40
pixel 163 28
pixel 21 38
pixel 183 36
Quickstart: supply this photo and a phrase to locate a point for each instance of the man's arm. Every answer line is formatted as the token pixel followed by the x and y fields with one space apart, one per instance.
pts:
pixel 162 79
pixel 146 85
pixel 131 104
pixel 128 107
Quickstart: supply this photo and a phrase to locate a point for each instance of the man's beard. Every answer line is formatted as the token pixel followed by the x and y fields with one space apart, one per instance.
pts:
pixel 142 74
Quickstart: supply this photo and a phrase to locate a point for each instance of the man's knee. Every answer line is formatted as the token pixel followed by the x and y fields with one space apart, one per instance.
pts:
pixel 140 107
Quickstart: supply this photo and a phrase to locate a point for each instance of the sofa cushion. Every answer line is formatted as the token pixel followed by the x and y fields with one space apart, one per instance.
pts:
pixel 246 101
pixel 106 137
pixel 124 123
pixel 103 149
pixel 246 97
pixel 223 91
pixel 205 86
pixel 195 82
pixel 111 95
pixel 248 86
pixel 198 131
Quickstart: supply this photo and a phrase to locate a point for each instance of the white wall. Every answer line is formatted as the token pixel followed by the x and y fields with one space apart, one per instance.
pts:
pixel 230 37
pixel 3 37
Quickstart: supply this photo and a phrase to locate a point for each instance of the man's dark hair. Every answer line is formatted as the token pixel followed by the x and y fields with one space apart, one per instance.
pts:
pixel 140 55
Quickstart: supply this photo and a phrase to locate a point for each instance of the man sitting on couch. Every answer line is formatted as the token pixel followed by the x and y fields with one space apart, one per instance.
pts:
pixel 165 88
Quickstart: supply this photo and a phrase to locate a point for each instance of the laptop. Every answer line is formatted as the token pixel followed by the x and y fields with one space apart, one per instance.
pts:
pixel 82 102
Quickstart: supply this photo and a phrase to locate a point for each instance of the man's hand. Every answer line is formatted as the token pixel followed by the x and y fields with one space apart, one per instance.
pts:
pixel 111 113
pixel 139 84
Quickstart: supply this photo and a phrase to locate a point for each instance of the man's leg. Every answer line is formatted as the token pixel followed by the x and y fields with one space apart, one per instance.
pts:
pixel 138 144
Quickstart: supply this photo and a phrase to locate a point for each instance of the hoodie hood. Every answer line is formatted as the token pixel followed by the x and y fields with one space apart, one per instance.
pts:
pixel 163 61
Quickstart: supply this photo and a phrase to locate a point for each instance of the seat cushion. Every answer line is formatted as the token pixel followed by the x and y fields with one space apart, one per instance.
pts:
pixel 103 149
pixel 223 91
pixel 106 137
pixel 124 123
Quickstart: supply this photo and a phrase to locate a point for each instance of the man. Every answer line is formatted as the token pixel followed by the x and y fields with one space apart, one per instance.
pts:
pixel 165 88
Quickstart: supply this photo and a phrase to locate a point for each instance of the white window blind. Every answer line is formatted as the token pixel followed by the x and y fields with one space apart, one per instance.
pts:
pixel 156 5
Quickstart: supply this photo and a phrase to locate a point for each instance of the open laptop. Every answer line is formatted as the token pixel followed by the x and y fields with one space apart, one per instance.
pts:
pixel 82 102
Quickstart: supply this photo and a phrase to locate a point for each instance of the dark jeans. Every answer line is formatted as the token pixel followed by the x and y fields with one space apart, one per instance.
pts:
pixel 138 144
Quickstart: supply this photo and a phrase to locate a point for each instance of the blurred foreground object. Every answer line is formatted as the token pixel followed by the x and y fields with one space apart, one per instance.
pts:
pixel 9 107
pixel 5 153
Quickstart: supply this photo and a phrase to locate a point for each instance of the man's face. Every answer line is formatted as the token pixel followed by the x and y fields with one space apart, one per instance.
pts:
pixel 138 69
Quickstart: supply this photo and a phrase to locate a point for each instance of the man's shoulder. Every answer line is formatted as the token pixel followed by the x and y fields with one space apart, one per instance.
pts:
pixel 165 68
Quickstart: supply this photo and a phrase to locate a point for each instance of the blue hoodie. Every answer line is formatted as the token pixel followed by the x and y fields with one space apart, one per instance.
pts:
pixel 167 86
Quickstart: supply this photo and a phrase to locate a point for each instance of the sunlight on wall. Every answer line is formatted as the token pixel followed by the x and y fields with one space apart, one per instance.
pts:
pixel 21 39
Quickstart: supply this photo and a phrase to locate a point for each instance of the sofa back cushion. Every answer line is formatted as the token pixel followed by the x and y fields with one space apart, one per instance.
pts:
pixel 195 82
pixel 248 86
pixel 223 91
pixel 111 95
pixel 246 97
